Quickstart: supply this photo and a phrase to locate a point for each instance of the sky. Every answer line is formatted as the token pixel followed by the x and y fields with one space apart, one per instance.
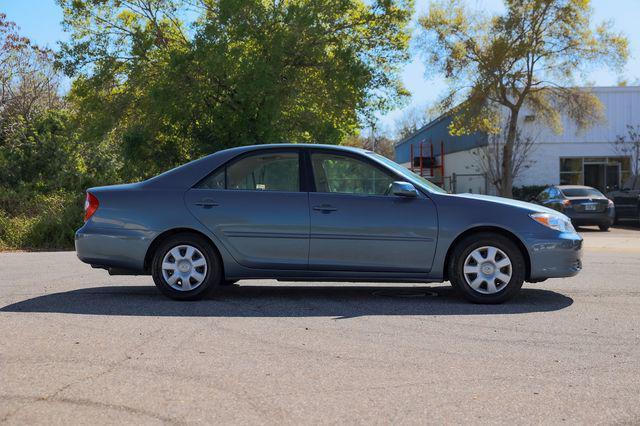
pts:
pixel 40 21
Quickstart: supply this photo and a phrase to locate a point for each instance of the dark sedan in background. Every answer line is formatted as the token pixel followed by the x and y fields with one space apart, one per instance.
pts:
pixel 627 200
pixel 584 205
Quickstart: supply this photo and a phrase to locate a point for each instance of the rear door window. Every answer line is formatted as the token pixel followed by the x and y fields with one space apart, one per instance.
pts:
pixel 262 171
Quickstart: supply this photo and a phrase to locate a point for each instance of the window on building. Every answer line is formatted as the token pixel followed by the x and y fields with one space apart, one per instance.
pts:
pixel 571 171
pixel 603 173
pixel 625 168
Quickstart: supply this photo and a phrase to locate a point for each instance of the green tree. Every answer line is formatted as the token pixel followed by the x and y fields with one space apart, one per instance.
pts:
pixel 37 149
pixel 164 81
pixel 525 58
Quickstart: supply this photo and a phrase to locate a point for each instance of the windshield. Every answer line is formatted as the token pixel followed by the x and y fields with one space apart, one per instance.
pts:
pixel 407 173
pixel 581 192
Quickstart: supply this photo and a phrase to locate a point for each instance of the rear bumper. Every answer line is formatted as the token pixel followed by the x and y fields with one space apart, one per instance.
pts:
pixel 113 247
pixel 596 218
pixel 556 258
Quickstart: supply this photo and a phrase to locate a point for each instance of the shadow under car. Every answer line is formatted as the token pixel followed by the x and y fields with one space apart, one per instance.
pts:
pixel 343 301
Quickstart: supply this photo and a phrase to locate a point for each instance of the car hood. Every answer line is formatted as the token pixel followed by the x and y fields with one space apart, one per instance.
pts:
pixel 533 208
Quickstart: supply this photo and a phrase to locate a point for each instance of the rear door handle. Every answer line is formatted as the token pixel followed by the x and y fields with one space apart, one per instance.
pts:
pixel 324 208
pixel 206 203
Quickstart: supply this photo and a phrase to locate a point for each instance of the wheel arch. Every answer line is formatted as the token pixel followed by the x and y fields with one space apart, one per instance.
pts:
pixel 160 238
pixel 483 229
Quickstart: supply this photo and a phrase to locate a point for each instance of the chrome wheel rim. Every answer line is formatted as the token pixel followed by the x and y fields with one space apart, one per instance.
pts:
pixel 184 268
pixel 487 270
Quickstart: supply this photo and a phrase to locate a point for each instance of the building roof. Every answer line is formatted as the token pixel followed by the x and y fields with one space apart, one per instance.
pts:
pixel 437 129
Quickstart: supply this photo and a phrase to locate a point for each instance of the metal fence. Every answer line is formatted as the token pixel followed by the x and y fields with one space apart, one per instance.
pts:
pixel 468 182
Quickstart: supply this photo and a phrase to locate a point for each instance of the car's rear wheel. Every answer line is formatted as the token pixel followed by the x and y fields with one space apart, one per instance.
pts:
pixel 487 268
pixel 186 267
pixel 604 227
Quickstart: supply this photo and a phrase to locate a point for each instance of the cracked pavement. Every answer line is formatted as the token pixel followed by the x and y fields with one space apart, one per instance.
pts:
pixel 79 346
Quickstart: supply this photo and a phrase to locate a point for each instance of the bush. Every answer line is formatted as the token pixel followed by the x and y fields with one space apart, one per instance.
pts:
pixel 525 193
pixel 37 221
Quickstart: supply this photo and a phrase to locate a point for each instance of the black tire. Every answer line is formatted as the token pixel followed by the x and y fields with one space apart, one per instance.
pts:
pixel 604 228
pixel 466 246
pixel 213 275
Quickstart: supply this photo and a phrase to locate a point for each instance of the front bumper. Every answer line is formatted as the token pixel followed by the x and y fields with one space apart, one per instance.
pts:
pixel 556 257
pixel 113 247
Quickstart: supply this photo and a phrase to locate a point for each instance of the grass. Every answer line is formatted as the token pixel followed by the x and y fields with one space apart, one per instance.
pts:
pixel 31 221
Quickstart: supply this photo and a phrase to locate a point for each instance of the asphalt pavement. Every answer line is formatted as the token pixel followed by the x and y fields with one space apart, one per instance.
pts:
pixel 78 346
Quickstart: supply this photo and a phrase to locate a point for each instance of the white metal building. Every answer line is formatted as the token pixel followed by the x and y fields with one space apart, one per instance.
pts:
pixel 589 157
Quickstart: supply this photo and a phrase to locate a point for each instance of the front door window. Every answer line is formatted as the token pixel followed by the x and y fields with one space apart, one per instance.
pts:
pixel 347 175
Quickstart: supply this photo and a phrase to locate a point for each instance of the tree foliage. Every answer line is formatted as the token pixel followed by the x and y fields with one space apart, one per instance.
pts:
pixel 164 81
pixel 36 144
pixel 489 157
pixel 42 169
pixel 525 58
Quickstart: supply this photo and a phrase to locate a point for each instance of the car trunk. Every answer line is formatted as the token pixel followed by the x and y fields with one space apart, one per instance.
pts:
pixel 588 205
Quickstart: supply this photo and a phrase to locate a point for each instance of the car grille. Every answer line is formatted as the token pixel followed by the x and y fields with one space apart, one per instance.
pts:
pixel 576 266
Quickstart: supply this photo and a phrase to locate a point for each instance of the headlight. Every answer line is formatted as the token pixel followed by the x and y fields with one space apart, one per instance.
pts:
pixel 553 221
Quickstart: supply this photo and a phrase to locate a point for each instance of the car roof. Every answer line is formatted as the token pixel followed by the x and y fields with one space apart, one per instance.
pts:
pixel 293 145
pixel 184 175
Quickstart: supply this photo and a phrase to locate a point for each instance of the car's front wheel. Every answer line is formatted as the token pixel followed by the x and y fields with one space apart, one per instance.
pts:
pixel 487 268
pixel 186 267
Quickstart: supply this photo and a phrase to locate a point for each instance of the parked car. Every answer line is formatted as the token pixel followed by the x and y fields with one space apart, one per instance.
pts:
pixel 627 200
pixel 319 213
pixel 584 205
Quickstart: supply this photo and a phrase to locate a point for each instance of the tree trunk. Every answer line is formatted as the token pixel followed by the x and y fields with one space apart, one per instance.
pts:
pixel 506 178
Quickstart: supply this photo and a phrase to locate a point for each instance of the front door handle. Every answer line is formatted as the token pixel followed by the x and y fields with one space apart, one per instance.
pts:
pixel 324 208
pixel 206 203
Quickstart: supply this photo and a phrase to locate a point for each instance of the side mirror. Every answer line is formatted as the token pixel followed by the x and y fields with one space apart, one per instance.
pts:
pixel 404 189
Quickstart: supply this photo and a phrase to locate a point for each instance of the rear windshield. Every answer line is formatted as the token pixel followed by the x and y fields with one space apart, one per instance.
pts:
pixel 581 192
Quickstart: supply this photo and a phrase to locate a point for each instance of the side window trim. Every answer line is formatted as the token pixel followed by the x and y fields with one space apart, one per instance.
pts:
pixel 307 183
pixel 302 179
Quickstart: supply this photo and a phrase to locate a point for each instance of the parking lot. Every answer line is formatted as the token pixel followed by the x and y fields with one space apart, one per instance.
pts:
pixel 77 344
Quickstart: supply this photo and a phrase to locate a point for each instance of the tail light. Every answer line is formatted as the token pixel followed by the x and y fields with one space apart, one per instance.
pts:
pixel 90 206
pixel 566 204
